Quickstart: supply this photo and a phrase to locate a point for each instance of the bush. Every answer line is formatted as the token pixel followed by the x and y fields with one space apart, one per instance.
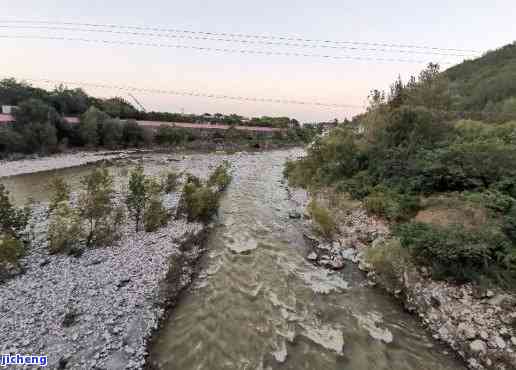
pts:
pixel 220 177
pixel 64 229
pixel 155 215
pixel 459 253
pixel 509 226
pixel 199 202
pixel 60 192
pixel 11 249
pixel 111 133
pixel 325 224
pixel 170 182
pixel 392 206
pixel 13 221
pixel 492 199
pixel 389 260
pixel 96 207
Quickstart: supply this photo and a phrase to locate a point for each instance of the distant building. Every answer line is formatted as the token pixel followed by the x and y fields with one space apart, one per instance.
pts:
pixel 7 109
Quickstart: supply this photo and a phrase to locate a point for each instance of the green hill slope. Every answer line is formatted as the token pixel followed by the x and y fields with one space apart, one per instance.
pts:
pixel 487 83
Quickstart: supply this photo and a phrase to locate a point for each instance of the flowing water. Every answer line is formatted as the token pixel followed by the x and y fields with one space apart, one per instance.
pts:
pixel 258 304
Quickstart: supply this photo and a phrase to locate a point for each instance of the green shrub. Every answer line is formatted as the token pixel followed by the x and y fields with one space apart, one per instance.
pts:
pixel 11 249
pixel 492 199
pixel 64 229
pixel 142 190
pixel 111 229
pixel 96 206
pixel 199 202
pixel 220 177
pixel 389 260
pixel 458 253
pixel 60 192
pixel 509 225
pixel 170 181
pixel 155 215
pixel 325 224
pixel 392 206
pixel 13 221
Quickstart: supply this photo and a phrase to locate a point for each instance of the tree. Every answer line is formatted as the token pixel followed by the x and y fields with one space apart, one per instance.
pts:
pixel 96 204
pixel 13 221
pixel 91 125
pixel 136 198
pixel 133 134
pixel 141 191
pixel 111 133
pixel 61 192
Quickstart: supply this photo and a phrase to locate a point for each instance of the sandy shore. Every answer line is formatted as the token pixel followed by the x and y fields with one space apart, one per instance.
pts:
pixel 54 162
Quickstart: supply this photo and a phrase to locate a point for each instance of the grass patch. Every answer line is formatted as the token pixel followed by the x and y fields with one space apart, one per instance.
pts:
pixel 324 222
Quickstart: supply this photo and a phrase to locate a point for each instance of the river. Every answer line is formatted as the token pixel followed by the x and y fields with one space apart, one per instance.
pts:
pixel 258 304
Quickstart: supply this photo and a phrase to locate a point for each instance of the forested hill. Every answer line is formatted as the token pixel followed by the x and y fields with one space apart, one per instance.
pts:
pixel 487 83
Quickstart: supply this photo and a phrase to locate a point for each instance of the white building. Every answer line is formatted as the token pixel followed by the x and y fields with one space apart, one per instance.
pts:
pixel 7 109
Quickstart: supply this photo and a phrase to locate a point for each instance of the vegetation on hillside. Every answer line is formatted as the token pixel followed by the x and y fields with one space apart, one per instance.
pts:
pixel 414 159
pixel 487 83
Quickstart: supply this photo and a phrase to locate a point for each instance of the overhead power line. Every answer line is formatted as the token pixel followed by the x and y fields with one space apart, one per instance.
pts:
pixel 246 36
pixel 234 40
pixel 188 93
pixel 220 50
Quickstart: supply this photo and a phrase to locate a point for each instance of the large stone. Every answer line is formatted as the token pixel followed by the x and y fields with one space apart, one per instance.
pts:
pixel 312 256
pixel 478 346
pixel 499 342
pixel 467 331
pixel 349 254
pixel 499 299
pixel 294 215
pixel 337 263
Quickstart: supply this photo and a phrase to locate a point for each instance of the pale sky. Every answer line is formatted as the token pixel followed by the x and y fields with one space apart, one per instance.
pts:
pixel 472 24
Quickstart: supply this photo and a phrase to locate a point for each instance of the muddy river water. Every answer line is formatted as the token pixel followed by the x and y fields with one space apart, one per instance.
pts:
pixel 258 304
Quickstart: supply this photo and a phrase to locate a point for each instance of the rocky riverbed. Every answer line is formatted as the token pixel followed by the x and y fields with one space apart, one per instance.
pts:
pixel 99 310
pixel 478 324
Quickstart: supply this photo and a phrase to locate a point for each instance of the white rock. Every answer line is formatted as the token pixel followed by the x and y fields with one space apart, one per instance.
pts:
pixel 312 256
pixel 467 330
pixel 478 346
pixel 499 342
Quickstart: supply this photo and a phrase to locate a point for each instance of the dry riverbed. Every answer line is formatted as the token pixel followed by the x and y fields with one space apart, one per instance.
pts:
pixel 99 310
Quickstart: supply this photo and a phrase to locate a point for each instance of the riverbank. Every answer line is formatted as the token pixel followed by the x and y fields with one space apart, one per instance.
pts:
pixel 58 161
pixel 100 309
pixel 478 324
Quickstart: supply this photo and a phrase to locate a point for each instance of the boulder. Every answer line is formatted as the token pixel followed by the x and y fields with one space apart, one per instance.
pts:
pixel 337 263
pixel 312 256
pixel 498 342
pixel 294 215
pixel 467 331
pixel 478 346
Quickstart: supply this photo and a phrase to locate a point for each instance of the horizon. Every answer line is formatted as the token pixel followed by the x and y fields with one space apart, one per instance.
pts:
pixel 330 81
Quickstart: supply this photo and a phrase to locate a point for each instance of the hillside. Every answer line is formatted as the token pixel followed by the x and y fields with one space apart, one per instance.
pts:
pixel 487 83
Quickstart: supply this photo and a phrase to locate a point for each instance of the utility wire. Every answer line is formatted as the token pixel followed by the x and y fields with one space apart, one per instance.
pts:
pixel 235 98
pixel 243 35
pixel 233 40
pixel 189 93
pixel 220 50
